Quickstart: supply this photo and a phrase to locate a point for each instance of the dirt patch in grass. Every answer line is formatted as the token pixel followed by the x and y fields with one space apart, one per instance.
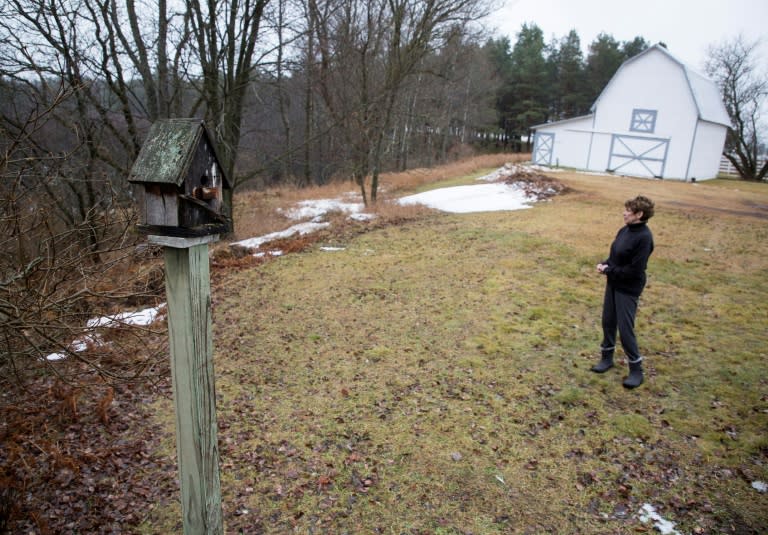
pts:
pixel 750 209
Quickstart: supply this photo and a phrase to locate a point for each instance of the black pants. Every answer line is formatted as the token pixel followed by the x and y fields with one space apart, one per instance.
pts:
pixel 619 310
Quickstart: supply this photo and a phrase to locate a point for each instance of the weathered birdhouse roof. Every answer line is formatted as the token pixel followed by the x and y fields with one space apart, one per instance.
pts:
pixel 169 150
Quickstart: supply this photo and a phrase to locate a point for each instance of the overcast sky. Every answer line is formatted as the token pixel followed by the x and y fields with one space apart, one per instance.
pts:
pixel 686 26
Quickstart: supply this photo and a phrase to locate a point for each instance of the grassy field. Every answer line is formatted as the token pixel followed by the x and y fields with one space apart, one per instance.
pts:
pixel 433 376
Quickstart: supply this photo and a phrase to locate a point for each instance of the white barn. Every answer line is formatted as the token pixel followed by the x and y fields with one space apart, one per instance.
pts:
pixel 655 118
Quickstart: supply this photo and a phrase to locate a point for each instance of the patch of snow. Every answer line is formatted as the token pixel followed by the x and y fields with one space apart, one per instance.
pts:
pixel 262 254
pixel 80 345
pixel 317 208
pixel 494 196
pixel 760 486
pixel 362 216
pixel 332 248
pixel 142 318
pixel 468 199
pixel 301 229
pixel 648 513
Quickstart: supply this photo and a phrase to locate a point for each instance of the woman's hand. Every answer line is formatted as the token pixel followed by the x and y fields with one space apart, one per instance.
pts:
pixel 601 268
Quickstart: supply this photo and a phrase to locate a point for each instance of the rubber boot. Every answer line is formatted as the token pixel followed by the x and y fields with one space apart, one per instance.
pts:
pixel 606 361
pixel 635 377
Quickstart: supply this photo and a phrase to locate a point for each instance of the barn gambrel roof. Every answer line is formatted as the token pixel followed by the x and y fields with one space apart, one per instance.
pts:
pixel 706 95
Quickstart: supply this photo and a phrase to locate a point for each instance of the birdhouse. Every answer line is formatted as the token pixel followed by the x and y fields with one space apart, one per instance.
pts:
pixel 180 181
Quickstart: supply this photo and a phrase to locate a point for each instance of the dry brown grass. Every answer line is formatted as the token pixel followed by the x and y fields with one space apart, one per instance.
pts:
pixel 394 183
pixel 713 221
pixel 256 212
pixel 734 197
pixel 433 377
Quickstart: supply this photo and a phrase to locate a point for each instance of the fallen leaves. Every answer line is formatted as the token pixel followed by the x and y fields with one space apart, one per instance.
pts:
pixel 87 470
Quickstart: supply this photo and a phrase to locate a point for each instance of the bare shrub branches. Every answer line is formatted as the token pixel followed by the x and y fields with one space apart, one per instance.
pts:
pixel 66 245
pixel 744 88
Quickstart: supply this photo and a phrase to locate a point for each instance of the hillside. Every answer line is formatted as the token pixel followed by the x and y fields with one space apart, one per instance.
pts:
pixel 428 372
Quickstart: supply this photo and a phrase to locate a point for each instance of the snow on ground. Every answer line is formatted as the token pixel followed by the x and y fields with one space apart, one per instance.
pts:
pixel 476 198
pixel 492 195
pixel 300 229
pixel 648 514
pixel 315 210
pixel 320 207
pixel 142 317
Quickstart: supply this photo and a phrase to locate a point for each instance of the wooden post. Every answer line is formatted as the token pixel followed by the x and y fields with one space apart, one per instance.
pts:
pixel 191 343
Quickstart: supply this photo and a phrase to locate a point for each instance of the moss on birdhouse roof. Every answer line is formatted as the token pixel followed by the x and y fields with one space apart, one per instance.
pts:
pixel 168 151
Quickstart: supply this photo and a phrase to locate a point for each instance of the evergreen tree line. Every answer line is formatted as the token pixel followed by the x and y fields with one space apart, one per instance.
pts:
pixel 548 82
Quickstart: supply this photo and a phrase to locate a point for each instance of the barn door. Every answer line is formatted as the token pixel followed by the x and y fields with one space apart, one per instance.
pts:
pixel 638 156
pixel 543 145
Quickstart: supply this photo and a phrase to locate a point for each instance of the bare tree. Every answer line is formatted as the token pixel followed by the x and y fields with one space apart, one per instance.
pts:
pixel 366 53
pixel 83 81
pixel 456 99
pixel 135 61
pixel 745 88
pixel 225 37
pixel 418 28
pixel 50 285
pixel 70 124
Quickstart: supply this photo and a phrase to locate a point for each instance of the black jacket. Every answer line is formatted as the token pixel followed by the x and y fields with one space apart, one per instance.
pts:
pixel 629 258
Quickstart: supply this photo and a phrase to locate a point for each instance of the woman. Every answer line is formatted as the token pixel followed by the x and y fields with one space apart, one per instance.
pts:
pixel 625 279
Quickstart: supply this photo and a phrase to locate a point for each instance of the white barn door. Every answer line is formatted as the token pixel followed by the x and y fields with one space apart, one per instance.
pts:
pixel 543 145
pixel 638 156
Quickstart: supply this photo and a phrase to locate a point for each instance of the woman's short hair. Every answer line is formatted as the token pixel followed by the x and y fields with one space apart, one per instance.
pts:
pixel 641 204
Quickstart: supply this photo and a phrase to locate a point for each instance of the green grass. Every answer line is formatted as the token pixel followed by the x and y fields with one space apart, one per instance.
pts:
pixel 433 377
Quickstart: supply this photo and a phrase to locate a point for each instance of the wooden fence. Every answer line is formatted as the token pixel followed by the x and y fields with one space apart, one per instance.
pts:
pixel 727 168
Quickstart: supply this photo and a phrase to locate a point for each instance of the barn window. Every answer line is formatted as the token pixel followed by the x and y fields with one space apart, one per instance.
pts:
pixel 643 121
